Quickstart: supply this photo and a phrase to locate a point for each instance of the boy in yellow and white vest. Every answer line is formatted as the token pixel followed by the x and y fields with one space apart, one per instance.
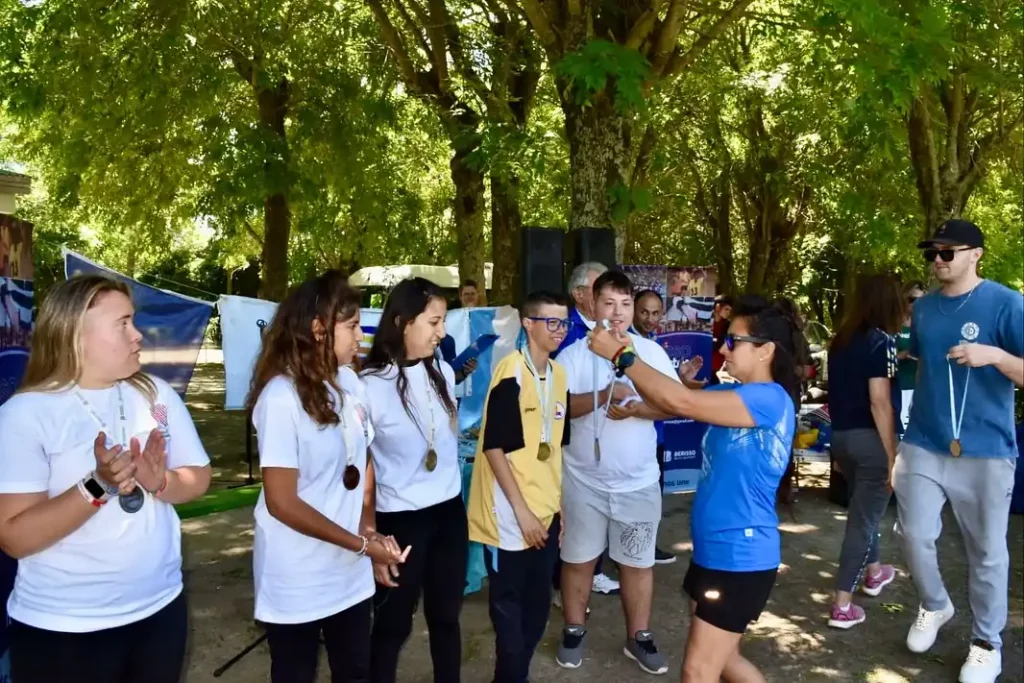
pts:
pixel 516 491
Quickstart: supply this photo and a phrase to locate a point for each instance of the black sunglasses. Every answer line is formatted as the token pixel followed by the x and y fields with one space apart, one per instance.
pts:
pixel 731 339
pixel 946 255
pixel 554 324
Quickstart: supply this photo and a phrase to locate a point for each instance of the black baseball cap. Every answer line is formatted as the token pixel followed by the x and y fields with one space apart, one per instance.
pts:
pixel 955 232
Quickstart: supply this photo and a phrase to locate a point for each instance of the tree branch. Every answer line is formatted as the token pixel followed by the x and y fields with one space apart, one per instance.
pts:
pixel 436 31
pixel 684 60
pixel 668 36
pixel 538 19
pixel 395 44
pixel 413 28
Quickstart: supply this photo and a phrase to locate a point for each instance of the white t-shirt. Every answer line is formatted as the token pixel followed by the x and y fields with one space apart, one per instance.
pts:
pixel 300 578
pixel 628 447
pixel 117 568
pixel 400 447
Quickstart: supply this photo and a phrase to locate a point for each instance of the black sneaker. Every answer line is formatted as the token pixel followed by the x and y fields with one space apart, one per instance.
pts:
pixel 661 557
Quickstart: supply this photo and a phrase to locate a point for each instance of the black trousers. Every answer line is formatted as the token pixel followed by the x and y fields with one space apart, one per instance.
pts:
pixel 151 650
pixel 435 568
pixel 520 604
pixel 295 648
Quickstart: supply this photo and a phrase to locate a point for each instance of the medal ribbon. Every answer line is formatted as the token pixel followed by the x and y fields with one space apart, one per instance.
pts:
pixel 546 402
pixel 350 446
pixel 122 416
pixel 954 422
pixel 599 423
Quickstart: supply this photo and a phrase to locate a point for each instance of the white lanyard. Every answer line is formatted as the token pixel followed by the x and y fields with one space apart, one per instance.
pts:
pixel 954 422
pixel 122 416
pixel 350 446
pixel 544 395
pixel 599 423
pixel 429 407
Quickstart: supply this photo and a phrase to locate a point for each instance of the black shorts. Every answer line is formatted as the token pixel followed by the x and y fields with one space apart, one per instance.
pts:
pixel 729 600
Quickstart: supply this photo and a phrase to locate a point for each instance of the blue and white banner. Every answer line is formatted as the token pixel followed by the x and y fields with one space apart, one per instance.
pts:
pixel 172 325
pixel 242 321
pixel 683 456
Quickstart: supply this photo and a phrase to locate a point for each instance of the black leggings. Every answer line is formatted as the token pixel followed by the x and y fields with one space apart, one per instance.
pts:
pixel 435 568
pixel 150 650
pixel 295 648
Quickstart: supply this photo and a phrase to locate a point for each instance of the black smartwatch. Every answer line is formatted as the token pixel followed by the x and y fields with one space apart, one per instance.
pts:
pixel 95 488
pixel 625 362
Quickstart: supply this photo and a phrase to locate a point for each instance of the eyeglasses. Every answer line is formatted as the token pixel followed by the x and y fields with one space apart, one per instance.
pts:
pixel 946 255
pixel 554 324
pixel 731 339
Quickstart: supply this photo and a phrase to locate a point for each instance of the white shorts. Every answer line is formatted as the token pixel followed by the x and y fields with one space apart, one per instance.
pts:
pixel 625 523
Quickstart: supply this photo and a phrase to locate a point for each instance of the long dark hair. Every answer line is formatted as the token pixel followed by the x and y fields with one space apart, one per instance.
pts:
pixel 778 323
pixel 289 347
pixel 878 304
pixel 407 301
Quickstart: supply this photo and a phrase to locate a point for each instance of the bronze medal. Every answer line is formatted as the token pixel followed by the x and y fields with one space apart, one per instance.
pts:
pixel 544 452
pixel 351 477
pixel 955 448
pixel 431 460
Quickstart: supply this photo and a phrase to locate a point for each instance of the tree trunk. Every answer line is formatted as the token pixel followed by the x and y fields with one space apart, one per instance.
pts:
pixel 600 152
pixel 273 110
pixel 506 231
pixel 469 220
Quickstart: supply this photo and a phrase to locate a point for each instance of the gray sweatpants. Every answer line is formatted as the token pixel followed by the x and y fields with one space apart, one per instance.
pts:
pixel 865 467
pixel 979 491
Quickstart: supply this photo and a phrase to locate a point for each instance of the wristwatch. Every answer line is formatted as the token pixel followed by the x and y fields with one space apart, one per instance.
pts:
pixel 624 362
pixel 95 490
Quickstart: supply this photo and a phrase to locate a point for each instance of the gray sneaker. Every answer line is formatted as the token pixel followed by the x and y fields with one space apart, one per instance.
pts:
pixel 570 652
pixel 642 650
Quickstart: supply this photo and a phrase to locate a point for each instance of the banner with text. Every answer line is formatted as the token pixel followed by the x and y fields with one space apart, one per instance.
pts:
pixel 172 325
pixel 683 456
pixel 688 298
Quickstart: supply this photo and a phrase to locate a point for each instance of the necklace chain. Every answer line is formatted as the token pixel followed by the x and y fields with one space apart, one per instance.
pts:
pixel 962 303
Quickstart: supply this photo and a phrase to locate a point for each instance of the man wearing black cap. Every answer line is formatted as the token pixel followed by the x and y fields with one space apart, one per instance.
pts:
pixel 960 445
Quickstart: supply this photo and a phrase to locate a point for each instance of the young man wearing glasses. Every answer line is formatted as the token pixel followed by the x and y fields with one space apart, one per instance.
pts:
pixel 610 494
pixel 516 490
pixel 960 445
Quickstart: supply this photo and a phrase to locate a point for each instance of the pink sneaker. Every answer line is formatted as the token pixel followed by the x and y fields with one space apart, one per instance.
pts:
pixel 847 618
pixel 873 585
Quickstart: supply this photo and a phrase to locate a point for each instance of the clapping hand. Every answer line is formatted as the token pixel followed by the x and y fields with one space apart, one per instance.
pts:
pixel 688 370
pixel 151 462
pixel 113 466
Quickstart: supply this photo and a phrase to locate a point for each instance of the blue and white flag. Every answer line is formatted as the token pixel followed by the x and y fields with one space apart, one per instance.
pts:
pixel 172 325
pixel 242 321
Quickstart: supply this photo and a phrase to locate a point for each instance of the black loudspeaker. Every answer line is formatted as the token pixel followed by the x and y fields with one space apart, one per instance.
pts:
pixel 588 245
pixel 541 262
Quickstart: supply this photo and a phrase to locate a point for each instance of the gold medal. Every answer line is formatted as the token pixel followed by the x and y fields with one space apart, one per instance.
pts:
pixel 955 448
pixel 431 460
pixel 544 452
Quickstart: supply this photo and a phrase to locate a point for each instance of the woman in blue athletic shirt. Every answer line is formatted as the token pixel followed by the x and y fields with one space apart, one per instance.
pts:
pixel 736 548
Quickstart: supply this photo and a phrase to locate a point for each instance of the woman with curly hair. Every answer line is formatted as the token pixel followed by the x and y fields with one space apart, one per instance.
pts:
pixel 314 531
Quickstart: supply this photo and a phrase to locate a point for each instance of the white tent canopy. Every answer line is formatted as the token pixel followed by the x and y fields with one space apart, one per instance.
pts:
pixel 446 277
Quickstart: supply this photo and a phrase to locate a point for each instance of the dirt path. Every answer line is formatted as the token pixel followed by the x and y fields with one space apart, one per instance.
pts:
pixel 789 643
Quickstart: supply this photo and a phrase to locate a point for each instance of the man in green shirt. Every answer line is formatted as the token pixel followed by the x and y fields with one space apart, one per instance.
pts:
pixel 906 371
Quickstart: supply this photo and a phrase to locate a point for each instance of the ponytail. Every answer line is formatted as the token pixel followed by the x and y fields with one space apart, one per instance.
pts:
pixel 779 323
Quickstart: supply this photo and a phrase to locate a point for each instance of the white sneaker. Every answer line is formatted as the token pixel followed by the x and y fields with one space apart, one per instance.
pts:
pixel 926 628
pixel 605 584
pixel 982 665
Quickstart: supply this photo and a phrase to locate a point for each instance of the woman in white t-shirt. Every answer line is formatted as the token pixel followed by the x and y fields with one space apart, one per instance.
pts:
pixel 419 481
pixel 93 457
pixel 311 559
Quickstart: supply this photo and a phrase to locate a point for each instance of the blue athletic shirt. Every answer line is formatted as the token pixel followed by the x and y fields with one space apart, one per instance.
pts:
pixel 991 315
pixel 733 521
